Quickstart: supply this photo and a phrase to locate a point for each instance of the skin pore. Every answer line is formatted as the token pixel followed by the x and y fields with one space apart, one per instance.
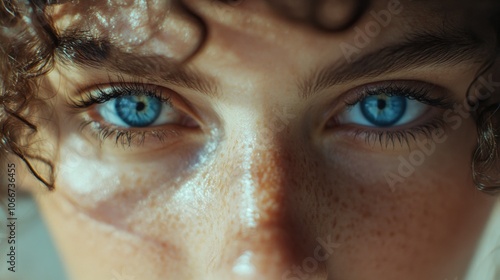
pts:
pixel 264 162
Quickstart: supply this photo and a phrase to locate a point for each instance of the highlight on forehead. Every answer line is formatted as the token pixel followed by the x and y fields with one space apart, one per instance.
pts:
pixel 140 26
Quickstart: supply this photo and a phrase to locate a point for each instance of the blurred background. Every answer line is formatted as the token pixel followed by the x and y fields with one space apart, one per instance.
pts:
pixel 36 256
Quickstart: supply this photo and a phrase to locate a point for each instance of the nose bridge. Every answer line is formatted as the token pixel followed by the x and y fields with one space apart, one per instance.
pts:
pixel 269 239
pixel 268 168
pixel 264 184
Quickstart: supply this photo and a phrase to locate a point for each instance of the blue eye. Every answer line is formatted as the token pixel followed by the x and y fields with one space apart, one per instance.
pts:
pixel 383 111
pixel 138 111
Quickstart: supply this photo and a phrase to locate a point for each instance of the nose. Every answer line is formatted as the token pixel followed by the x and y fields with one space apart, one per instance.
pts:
pixel 271 232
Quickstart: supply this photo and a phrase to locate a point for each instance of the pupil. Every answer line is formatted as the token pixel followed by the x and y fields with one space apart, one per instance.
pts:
pixel 381 104
pixel 140 106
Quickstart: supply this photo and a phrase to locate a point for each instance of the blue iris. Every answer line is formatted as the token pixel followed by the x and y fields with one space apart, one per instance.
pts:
pixel 383 110
pixel 138 111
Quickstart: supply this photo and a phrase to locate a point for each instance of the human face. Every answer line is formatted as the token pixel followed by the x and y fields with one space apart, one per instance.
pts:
pixel 272 164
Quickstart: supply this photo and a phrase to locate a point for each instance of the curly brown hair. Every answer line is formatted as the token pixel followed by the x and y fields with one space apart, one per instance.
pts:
pixel 29 42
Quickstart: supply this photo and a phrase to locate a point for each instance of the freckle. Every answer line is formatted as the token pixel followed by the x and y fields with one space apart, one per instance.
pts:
pixel 366 214
pixel 337 237
pixel 426 212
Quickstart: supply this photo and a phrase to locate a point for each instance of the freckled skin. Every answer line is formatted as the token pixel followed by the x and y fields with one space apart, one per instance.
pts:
pixel 192 209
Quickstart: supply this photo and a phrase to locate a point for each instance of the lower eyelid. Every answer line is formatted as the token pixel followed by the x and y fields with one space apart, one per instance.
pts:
pixel 124 139
pixel 405 136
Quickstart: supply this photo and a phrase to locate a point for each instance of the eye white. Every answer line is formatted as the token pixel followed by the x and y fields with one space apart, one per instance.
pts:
pixel 354 115
pixel 109 114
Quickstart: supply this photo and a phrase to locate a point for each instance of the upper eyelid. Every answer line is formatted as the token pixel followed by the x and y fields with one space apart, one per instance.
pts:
pixel 106 92
pixel 420 91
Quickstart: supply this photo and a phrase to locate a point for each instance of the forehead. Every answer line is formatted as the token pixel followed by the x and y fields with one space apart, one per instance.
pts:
pixel 254 40
pixel 133 22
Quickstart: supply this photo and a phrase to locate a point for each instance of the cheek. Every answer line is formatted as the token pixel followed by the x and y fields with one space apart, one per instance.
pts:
pixel 120 207
pixel 128 192
pixel 426 223
pixel 116 251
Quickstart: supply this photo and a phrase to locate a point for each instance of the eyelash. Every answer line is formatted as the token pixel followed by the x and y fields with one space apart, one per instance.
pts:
pixel 419 93
pixel 388 138
pixel 122 136
pixel 118 90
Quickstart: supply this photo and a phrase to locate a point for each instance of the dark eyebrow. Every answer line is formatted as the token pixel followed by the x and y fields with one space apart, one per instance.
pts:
pixel 446 47
pixel 88 51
